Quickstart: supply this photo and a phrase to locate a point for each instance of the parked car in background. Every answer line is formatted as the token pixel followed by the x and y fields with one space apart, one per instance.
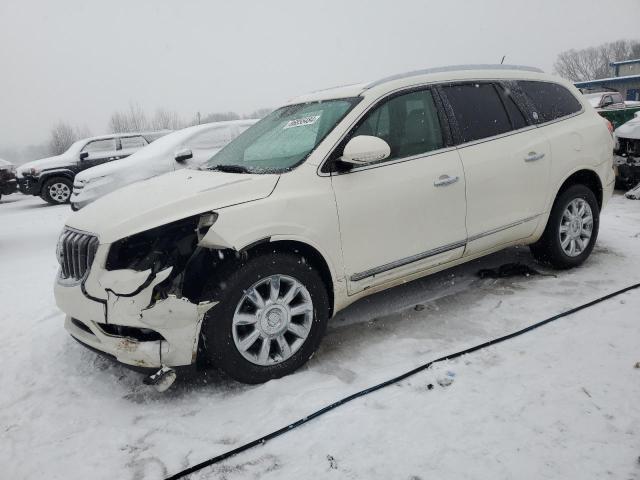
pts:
pixel 605 99
pixel 189 147
pixel 52 178
pixel 8 182
pixel 332 197
pixel 611 105
pixel 627 153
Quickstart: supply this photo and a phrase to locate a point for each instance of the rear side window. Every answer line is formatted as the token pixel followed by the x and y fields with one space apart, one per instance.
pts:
pixel 550 101
pixel 478 110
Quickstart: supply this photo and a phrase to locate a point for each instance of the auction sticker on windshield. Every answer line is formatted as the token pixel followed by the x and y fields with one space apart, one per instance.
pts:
pixel 301 122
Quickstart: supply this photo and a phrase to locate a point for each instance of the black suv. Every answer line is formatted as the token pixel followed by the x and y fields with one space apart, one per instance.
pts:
pixel 8 183
pixel 52 178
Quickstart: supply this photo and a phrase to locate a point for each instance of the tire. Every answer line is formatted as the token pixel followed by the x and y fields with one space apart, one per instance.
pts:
pixel 224 330
pixel 565 228
pixel 57 190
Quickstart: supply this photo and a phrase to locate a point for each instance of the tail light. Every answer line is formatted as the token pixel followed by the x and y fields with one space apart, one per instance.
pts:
pixel 609 126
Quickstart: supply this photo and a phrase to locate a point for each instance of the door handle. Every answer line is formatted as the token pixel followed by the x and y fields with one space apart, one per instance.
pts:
pixel 533 156
pixel 445 180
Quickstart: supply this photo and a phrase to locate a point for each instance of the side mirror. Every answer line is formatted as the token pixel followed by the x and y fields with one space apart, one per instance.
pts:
pixel 365 149
pixel 183 155
pixel 84 155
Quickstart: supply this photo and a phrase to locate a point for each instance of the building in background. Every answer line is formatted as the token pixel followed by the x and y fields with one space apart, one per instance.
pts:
pixel 626 80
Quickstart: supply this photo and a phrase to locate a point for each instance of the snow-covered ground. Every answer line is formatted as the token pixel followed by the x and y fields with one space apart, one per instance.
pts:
pixel 561 402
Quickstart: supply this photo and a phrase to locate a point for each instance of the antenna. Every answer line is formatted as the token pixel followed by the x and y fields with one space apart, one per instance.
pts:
pixel 502 61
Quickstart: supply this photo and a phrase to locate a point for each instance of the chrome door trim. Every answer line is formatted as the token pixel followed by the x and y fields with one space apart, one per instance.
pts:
pixel 406 261
pixel 356 277
pixel 500 229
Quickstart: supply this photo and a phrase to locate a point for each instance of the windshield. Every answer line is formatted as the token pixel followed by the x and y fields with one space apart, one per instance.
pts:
pixel 283 139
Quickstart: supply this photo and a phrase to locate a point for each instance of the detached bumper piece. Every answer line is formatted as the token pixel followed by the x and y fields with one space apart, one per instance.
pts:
pixel 145 354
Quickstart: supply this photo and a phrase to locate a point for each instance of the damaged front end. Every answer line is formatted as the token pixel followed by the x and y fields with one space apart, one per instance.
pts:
pixel 627 162
pixel 144 296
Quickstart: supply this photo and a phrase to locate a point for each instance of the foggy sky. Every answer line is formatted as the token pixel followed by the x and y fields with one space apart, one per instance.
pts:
pixel 79 60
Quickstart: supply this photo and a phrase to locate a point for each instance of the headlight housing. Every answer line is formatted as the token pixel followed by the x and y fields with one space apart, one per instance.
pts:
pixel 160 247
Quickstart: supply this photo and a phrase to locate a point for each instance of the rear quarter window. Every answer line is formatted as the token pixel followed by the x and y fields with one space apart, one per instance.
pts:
pixel 550 101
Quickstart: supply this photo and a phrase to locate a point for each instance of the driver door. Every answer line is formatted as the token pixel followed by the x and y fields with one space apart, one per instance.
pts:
pixel 404 214
pixel 99 151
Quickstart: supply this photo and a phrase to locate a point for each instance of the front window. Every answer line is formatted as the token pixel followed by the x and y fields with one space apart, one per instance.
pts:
pixel 106 145
pixel 283 139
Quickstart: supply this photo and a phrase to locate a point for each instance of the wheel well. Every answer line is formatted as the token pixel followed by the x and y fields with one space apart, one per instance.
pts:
pixel 50 176
pixel 313 256
pixel 214 265
pixel 589 179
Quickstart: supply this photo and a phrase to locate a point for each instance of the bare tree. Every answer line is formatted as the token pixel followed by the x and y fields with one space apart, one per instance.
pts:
pixel 220 117
pixel 132 120
pixel 164 119
pixel 593 63
pixel 61 137
pixel 260 113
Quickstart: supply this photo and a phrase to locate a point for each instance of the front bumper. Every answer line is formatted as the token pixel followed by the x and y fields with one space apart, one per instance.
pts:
pixel 128 325
pixel 29 185
pixel 8 187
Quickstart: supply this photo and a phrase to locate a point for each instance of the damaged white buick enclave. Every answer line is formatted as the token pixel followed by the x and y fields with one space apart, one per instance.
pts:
pixel 334 196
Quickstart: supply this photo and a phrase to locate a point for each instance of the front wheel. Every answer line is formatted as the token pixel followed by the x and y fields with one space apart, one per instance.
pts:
pixel 272 314
pixel 57 190
pixel 572 229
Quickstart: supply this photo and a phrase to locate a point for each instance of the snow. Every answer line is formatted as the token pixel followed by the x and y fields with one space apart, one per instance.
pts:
pixel 559 402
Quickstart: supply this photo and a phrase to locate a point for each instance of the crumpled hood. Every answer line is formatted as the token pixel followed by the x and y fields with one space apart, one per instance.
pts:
pixel 631 129
pixel 45 163
pixel 167 198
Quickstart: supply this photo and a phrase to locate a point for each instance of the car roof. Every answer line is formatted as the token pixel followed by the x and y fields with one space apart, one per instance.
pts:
pixel 126 134
pixel 438 74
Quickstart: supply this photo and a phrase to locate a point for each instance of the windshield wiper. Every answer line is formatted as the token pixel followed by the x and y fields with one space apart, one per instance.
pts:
pixel 230 168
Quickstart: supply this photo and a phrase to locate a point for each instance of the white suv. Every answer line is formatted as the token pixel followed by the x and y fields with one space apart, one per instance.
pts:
pixel 186 148
pixel 334 196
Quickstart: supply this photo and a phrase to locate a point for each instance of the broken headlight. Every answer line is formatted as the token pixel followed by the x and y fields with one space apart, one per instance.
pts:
pixel 160 247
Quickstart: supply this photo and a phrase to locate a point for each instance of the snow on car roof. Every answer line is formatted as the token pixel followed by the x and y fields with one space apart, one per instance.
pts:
pixel 438 73
pixel 175 138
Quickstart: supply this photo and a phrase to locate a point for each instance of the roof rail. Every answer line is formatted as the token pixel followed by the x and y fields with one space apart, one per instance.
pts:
pixel 452 68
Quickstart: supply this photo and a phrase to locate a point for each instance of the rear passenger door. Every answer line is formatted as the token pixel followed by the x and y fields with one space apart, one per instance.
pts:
pixel 506 163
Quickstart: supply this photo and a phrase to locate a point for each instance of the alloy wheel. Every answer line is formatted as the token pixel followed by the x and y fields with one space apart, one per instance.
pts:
pixel 576 227
pixel 272 320
pixel 60 192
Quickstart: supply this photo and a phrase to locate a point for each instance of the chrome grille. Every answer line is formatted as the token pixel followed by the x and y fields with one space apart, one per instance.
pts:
pixel 76 251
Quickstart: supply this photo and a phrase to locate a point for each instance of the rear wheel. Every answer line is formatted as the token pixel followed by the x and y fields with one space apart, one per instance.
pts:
pixel 572 229
pixel 57 190
pixel 271 317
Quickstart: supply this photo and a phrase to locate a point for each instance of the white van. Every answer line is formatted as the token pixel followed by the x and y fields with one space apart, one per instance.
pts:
pixel 189 147
pixel 334 196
